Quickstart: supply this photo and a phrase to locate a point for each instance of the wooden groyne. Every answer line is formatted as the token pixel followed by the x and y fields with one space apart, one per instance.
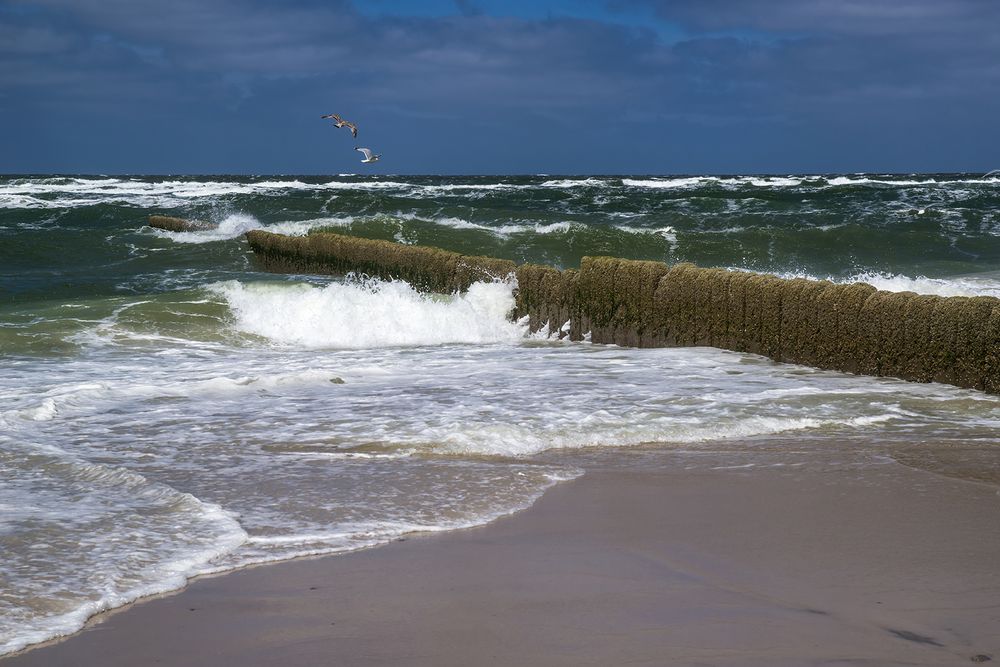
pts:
pixel 430 269
pixel 172 224
pixel 853 328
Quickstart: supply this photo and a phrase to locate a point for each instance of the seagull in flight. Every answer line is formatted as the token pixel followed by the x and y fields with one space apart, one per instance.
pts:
pixel 369 156
pixel 339 122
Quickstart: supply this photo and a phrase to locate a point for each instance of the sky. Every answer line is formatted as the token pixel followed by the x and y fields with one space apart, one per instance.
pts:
pixel 496 87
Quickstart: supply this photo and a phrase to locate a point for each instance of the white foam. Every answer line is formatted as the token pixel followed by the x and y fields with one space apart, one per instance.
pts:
pixel 569 430
pixel 486 187
pixel 116 576
pixel 697 181
pixel 965 286
pixel 795 181
pixel 847 180
pixel 231 227
pixel 52 193
pixel 370 315
pixel 575 183
pixel 353 536
pixel 447 221
pixel 26 193
pixel 894 282
pixel 669 233
pixel 509 229
pixel 664 183
pixel 75 192
pixel 539 228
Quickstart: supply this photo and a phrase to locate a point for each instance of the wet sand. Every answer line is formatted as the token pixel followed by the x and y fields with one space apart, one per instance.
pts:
pixel 873 565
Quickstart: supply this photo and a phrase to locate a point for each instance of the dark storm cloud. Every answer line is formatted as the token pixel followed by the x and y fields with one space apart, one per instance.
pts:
pixel 850 17
pixel 782 75
pixel 833 47
pixel 470 59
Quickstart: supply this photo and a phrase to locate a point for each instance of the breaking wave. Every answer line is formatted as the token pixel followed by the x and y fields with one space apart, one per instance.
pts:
pixel 371 314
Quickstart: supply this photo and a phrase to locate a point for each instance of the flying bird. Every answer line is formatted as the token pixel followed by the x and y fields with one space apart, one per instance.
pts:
pixel 369 157
pixel 339 122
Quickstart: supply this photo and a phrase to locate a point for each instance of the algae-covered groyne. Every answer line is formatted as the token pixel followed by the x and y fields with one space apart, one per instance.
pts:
pixel 172 224
pixel 853 328
pixel 425 268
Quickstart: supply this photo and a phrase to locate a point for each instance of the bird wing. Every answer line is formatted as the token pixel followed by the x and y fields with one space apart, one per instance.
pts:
pixel 327 115
pixel 354 128
pixel 367 152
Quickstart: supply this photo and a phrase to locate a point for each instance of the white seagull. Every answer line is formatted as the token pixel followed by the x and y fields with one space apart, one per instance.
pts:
pixel 369 156
pixel 339 122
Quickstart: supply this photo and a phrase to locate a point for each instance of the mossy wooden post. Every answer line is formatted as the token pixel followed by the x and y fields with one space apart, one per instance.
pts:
pixel 634 284
pixel 813 339
pixel 896 349
pixel 852 346
pixel 549 297
pixel 792 319
pixel 172 224
pixel 943 352
pixel 674 305
pixel 596 298
pixel 992 381
pixel 558 289
pixel 736 311
pixel 528 296
pixel 870 334
pixel 829 303
pixel 772 303
pixel 973 343
pixel 714 306
pixel 753 313
pixel 919 365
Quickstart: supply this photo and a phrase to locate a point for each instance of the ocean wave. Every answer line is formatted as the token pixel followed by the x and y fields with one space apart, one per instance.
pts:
pixel 792 181
pixel 399 218
pixel 452 187
pixel 445 221
pixel 669 233
pixel 231 227
pixel 73 193
pixel 571 430
pixel 700 181
pixel 848 180
pixel 665 183
pixel 575 183
pixel 72 400
pixel 539 228
pixel 354 535
pixel 50 193
pixel 371 315
pixel 892 282
pixel 179 534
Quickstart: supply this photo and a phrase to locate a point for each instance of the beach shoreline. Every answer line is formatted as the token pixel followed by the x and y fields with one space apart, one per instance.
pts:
pixel 877 565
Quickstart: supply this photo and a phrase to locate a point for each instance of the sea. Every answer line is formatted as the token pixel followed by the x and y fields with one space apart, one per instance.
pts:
pixel 168 410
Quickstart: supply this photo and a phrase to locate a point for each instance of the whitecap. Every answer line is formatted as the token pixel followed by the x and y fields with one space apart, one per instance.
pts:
pixel 370 315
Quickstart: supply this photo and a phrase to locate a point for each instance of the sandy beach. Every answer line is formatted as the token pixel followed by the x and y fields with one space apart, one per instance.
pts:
pixel 874 565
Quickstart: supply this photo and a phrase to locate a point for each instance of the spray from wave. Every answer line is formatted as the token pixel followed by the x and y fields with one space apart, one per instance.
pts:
pixel 987 285
pixel 371 314
pixel 231 227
